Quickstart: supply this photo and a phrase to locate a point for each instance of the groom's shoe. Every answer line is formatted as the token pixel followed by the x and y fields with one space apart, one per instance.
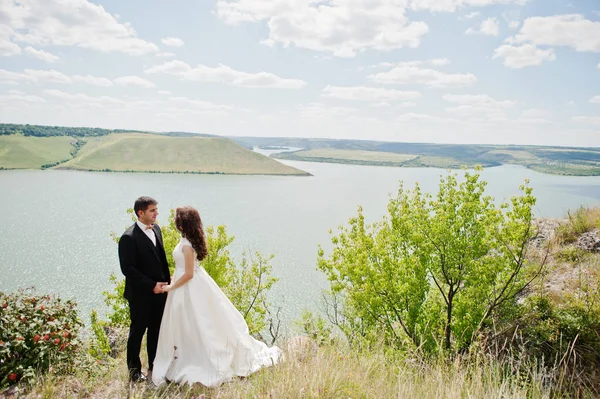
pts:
pixel 138 376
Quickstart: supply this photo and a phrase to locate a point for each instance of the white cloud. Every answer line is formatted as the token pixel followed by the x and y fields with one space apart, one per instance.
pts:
pixel 414 117
pixel 164 92
pixel 67 23
pixel 92 80
pixel 440 61
pixel 361 93
pixel 535 113
pixel 165 54
pixel 173 105
pixel 41 75
pixel 133 81
pixel 478 107
pixel 592 120
pixel 595 99
pixel 489 27
pixel 41 54
pixel 598 66
pixel 20 100
pixel 411 72
pixel 477 99
pixel 340 27
pixel 512 18
pixel 524 55
pixel 453 5
pixel 172 41
pixel 472 15
pixel 561 30
pixel 343 27
pixel 225 74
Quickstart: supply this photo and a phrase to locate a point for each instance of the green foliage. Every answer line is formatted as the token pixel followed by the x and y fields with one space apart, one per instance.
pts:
pixel 246 284
pixel 436 269
pixel 316 328
pixel 49 131
pixel 118 315
pixel 565 331
pixel 571 254
pixel 99 343
pixel 37 334
pixel 248 290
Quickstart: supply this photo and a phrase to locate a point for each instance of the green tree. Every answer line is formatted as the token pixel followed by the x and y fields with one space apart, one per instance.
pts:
pixel 435 270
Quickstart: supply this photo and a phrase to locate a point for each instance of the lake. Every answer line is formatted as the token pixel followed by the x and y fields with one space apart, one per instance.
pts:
pixel 55 225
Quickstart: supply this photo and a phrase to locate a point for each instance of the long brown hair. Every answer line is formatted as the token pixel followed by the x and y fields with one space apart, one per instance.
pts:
pixel 187 220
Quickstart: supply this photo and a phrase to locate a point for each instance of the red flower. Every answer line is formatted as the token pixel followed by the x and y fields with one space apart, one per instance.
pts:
pixel 36 338
pixel 66 334
pixel 42 307
pixel 4 305
pixel 57 341
pixel 46 337
pixel 12 376
pixel 20 339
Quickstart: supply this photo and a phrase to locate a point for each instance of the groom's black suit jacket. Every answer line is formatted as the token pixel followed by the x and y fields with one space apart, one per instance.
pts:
pixel 142 263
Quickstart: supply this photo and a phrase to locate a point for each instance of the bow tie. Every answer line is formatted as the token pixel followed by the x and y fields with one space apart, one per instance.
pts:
pixel 148 227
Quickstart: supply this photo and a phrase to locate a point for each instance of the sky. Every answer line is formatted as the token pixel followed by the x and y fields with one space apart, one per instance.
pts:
pixel 442 71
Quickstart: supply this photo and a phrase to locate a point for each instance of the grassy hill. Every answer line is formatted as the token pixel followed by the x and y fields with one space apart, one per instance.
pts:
pixel 137 152
pixel 19 152
pixel 572 161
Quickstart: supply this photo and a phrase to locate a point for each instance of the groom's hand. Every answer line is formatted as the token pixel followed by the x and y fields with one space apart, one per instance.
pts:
pixel 158 288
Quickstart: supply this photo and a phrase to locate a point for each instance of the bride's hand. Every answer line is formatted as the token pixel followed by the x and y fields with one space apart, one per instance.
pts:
pixel 166 288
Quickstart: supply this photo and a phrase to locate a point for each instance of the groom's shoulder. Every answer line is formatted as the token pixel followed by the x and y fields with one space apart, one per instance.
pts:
pixel 129 231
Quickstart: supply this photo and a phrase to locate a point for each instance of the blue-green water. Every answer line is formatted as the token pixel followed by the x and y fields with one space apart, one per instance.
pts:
pixel 55 225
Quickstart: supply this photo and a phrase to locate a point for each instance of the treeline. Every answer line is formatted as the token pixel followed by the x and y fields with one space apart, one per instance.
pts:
pixel 50 131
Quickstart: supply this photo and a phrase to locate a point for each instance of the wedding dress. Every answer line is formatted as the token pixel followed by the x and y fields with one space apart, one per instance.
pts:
pixel 203 337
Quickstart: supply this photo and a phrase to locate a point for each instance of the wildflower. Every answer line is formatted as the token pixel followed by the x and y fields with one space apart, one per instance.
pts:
pixel 12 376
pixel 36 338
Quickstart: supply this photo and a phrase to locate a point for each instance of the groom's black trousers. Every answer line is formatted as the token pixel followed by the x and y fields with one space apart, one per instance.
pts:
pixel 146 314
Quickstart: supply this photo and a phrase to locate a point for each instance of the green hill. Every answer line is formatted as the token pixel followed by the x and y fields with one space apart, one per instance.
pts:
pixel 19 152
pixel 574 161
pixel 138 152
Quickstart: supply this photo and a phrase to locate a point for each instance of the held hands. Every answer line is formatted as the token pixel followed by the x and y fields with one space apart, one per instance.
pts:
pixel 159 288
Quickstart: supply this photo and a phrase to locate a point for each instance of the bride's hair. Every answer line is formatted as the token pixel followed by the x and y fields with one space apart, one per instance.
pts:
pixel 187 220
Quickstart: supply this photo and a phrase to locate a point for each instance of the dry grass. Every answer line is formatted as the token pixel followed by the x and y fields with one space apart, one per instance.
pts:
pixel 332 372
pixel 580 221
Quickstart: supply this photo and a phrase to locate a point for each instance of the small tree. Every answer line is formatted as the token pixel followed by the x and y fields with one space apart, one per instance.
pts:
pixel 436 269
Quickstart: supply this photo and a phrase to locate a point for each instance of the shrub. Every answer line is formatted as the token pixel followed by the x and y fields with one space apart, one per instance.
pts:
pixel 37 334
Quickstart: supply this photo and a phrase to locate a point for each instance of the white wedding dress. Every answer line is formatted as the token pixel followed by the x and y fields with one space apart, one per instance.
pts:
pixel 203 337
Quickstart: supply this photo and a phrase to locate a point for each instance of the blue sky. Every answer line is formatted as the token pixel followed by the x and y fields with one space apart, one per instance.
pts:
pixel 445 71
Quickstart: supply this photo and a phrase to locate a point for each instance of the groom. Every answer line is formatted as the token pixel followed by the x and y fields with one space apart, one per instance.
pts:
pixel 144 264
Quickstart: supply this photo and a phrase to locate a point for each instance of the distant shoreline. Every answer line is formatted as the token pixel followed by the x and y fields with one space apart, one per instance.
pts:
pixel 419 161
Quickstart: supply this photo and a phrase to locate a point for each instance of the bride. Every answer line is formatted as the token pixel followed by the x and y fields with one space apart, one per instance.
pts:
pixel 203 337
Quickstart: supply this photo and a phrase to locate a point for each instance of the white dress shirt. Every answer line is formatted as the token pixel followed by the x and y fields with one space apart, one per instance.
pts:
pixel 147 231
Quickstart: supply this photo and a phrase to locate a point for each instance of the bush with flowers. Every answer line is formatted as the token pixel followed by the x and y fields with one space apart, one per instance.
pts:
pixel 38 333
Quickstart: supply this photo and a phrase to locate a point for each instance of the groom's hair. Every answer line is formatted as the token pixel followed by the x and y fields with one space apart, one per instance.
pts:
pixel 142 203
